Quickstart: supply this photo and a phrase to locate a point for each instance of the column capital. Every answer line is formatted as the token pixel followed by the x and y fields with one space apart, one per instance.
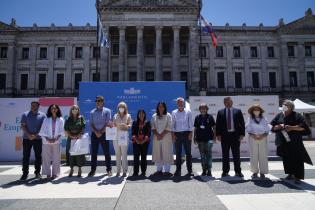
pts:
pixel 158 28
pixel 140 28
pixel 176 28
pixel 122 28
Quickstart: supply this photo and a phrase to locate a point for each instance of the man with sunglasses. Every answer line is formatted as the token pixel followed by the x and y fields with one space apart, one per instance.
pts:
pixel 100 117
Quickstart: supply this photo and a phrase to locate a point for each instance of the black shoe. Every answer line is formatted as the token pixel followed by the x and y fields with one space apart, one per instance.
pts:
pixel 239 174
pixel 190 174
pixel 158 173
pixel 167 174
pixel 177 173
pixel 204 173
pixel 142 174
pixel 92 173
pixel 23 177
pixel 209 173
pixel 289 177
pixel 38 176
pixel 135 174
pixel 224 174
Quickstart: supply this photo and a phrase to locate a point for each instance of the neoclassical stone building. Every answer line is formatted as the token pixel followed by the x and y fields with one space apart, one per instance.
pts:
pixel 155 40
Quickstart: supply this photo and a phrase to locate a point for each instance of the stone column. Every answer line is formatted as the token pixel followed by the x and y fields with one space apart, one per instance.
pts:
pixel 211 70
pixel 264 71
pixel 140 53
pixel 193 77
pixel 11 84
pixel 68 73
pixel 285 80
pixel 103 59
pixel 175 70
pixel 122 41
pixel 229 66
pixel 158 53
pixel 302 77
pixel 50 73
pixel 248 74
pixel 86 59
pixel 32 72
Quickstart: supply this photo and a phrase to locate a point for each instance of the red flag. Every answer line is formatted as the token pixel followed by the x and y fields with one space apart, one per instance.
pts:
pixel 208 28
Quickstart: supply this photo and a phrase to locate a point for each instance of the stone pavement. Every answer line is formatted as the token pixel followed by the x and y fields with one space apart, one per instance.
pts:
pixel 158 192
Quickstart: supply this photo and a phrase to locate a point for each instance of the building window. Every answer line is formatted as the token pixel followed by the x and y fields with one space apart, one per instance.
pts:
pixel 253 52
pixel 183 48
pixel 310 79
pixel 219 52
pixel 167 76
pixel 238 80
pixel 255 79
pixel 3 78
pixel 61 53
pixel 149 76
pixel 183 76
pixel 24 81
pixel 290 50
pixel 271 52
pixel 115 76
pixel 78 52
pixel 272 80
pixel 95 77
pixel 132 76
pixel 41 81
pixel 25 53
pixel 4 52
pixel 236 52
pixel 60 81
pixel 221 81
pixel 115 49
pixel 308 51
pixel 293 79
pixel 77 80
pixel 96 52
pixel 43 53
pixel 149 49
pixel 166 48
pixel 132 49
pixel 202 52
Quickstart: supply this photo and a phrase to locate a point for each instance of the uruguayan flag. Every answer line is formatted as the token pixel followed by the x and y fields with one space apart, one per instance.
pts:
pixel 102 38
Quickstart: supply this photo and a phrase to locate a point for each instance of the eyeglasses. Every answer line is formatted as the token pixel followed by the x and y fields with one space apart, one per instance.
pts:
pixel 98 101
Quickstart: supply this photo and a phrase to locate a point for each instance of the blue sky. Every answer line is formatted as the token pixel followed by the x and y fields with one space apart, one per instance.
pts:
pixel 218 12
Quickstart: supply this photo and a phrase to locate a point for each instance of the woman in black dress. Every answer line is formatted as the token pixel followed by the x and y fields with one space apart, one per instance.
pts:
pixel 289 127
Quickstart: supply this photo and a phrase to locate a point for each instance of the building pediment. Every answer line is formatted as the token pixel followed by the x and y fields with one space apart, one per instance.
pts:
pixel 6 27
pixel 303 25
pixel 147 5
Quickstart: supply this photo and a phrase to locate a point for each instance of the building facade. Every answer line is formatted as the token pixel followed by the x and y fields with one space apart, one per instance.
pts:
pixel 159 40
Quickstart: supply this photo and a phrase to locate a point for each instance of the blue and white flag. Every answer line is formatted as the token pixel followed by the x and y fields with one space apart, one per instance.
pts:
pixel 102 38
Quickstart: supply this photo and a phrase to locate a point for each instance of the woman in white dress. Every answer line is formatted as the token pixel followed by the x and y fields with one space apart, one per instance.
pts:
pixel 51 132
pixel 123 122
pixel 162 155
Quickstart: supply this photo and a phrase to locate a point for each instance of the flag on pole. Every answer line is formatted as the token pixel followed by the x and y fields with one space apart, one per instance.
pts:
pixel 102 38
pixel 208 29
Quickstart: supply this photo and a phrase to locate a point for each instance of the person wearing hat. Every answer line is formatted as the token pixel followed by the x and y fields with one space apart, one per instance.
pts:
pixel 204 137
pixel 258 129
pixel 100 118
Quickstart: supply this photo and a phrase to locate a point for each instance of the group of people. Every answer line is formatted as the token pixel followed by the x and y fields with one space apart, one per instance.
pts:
pixel 43 133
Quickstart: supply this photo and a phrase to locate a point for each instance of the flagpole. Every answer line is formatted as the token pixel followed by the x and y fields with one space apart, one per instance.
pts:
pixel 98 54
pixel 201 79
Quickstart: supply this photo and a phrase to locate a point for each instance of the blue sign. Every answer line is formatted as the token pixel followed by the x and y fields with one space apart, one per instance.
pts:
pixel 137 95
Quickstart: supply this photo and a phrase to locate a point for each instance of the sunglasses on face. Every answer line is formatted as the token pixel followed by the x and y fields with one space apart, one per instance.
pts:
pixel 98 101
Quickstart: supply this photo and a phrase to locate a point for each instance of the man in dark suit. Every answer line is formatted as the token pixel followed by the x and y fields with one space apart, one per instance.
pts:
pixel 230 130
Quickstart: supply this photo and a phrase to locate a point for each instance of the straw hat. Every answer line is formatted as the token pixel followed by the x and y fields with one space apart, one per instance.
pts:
pixel 255 106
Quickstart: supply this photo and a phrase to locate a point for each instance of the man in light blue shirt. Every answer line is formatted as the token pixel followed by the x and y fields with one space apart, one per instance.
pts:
pixel 182 126
pixel 100 118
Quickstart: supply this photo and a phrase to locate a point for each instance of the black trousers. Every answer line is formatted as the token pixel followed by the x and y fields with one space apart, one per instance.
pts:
pixel 182 140
pixel 68 145
pixel 140 150
pixel 95 142
pixel 293 163
pixel 231 141
pixel 27 147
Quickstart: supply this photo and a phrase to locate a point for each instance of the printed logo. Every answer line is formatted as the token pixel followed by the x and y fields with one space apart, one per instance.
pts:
pixel 132 91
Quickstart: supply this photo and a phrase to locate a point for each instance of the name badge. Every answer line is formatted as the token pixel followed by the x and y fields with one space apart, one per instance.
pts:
pixel 202 126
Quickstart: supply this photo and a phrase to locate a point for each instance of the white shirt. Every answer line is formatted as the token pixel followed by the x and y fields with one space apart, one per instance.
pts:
pixel 46 130
pixel 182 121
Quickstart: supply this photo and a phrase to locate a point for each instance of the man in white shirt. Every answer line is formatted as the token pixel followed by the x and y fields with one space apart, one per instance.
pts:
pixel 182 126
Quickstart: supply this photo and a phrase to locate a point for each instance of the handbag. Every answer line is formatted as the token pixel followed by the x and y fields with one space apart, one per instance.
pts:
pixel 80 146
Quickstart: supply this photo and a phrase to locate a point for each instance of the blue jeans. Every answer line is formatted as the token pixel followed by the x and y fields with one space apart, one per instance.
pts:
pixel 95 142
pixel 205 149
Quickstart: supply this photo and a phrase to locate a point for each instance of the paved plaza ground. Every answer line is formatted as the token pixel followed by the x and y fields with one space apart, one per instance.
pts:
pixel 159 192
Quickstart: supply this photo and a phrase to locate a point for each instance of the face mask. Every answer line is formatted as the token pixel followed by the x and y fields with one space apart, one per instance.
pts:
pixel 256 113
pixel 75 111
pixel 121 110
pixel 285 108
